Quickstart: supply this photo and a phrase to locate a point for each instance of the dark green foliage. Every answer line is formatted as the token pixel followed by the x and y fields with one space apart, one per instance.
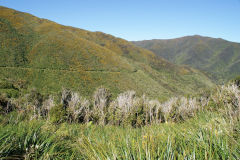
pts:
pixel 10 92
pixel 9 89
pixel 58 114
pixel 6 85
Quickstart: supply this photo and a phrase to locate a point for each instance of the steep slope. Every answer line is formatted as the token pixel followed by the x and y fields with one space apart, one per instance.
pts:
pixel 50 56
pixel 219 58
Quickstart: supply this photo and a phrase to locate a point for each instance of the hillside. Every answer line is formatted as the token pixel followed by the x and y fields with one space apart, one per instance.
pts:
pixel 49 56
pixel 68 93
pixel 217 57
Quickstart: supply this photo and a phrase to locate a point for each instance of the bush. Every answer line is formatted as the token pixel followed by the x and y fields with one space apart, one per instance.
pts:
pixel 227 98
pixel 169 109
pixel 120 108
pixel 101 101
pixel 36 99
pixel 126 110
pixel 6 105
pixel 66 97
pixel 58 114
pixel 11 93
pixel 77 107
pixel 47 105
pixel 6 85
pixel 154 112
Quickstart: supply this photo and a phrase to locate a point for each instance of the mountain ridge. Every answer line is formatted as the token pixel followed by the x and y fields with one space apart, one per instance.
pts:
pixel 182 37
pixel 215 56
pixel 51 51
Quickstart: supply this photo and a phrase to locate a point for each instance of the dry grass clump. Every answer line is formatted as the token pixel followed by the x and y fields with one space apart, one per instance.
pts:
pixel 45 127
pixel 127 109
pixel 177 109
pixel 227 98
pixel 101 101
pixel 77 107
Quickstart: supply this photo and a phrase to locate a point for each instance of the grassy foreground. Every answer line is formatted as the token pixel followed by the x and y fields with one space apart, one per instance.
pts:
pixel 208 132
pixel 207 136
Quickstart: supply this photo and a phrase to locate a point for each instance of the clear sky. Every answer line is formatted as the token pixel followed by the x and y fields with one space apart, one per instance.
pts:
pixel 141 19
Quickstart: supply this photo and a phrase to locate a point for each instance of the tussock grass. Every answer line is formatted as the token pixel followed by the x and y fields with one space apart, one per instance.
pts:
pixel 29 140
pixel 206 136
pixel 128 127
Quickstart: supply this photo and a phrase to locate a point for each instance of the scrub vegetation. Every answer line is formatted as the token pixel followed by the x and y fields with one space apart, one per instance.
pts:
pixel 69 126
pixel 49 56
pixel 68 93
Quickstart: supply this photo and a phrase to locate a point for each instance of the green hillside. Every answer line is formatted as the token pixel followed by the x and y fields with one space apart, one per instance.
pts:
pixel 68 93
pixel 49 56
pixel 217 57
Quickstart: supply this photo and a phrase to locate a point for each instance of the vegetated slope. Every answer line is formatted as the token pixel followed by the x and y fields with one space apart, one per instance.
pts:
pixel 50 56
pixel 218 57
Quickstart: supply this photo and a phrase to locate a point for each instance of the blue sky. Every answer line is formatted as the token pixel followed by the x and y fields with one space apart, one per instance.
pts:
pixel 141 19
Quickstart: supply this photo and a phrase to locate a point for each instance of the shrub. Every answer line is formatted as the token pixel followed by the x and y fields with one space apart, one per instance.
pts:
pixel 36 100
pixel 227 99
pixel 12 93
pixel 66 97
pixel 6 85
pixel 169 109
pixel 187 108
pixel 78 108
pixel 6 105
pixel 154 114
pixel 9 89
pixel 47 105
pixel 58 114
pixel 120 108
pixel 126 109
pixel 178 109
pixel 101 101
pixel 137 114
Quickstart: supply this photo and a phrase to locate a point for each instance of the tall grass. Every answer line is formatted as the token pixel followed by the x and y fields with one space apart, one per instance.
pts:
pixel 207 136
pixel 127 109
pixel 128 127
pixel 33 140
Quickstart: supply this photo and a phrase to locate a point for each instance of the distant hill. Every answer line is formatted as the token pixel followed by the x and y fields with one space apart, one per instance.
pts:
pixel 217 57
pixel 49 56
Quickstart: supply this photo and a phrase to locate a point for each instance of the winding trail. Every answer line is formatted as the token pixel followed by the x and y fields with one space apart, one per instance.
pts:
pixel 52 69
